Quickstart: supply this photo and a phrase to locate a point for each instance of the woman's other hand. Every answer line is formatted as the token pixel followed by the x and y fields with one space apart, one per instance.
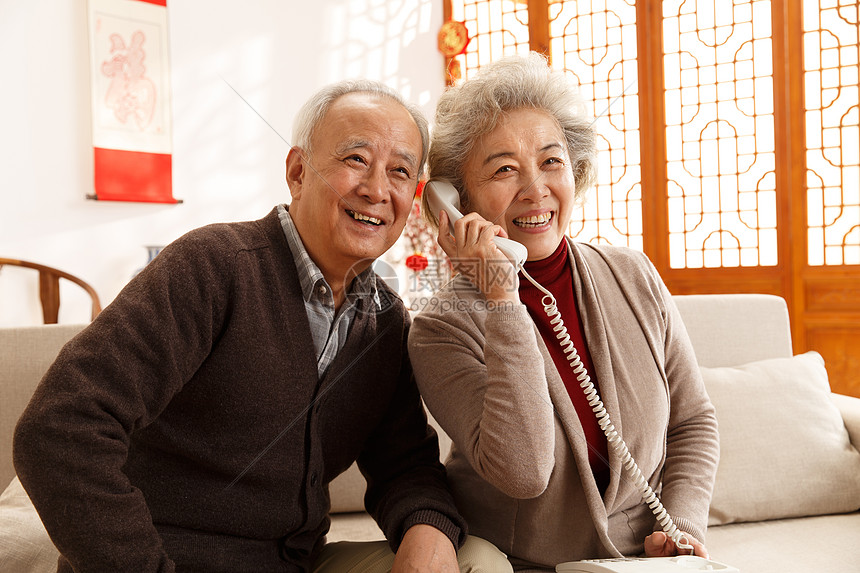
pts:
pixel 658 544
pixel 474 254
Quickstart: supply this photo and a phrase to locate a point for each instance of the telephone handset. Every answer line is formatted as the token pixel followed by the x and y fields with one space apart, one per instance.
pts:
pixel 442 196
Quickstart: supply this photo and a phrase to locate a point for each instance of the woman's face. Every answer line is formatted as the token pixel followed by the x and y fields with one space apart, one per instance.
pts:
pixel 519 176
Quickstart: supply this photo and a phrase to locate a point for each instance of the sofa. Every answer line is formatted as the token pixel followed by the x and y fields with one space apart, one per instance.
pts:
pixel 787 493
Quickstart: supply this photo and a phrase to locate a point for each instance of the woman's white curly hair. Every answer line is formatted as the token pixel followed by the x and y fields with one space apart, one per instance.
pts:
pixel 472 109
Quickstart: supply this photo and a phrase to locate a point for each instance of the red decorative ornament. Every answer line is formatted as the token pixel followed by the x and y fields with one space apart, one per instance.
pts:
pixel 455 71
pixel 416 262
pixel 420 189
pixel 453 38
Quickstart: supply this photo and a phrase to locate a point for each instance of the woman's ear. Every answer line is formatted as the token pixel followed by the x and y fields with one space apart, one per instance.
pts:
pixel 295 171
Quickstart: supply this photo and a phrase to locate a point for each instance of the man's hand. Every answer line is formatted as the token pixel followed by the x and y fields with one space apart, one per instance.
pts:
pixel 658 544
pixel 425 549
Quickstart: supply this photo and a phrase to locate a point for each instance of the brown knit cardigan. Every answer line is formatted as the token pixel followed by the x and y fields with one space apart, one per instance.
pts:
pixel 186 427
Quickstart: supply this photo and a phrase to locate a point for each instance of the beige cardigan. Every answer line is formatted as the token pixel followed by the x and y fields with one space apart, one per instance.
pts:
pixel 519 467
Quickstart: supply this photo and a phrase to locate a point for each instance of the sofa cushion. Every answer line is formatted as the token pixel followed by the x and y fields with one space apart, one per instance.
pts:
pixel 25 355
pixel 24 544
pixel 735 329
pixel 819 544
pixel 784 450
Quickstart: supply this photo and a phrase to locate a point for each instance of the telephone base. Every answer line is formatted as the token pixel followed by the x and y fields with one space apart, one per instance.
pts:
pixel 677 564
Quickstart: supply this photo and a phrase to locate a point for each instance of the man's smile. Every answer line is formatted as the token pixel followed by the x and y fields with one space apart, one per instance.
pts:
pixel 364 218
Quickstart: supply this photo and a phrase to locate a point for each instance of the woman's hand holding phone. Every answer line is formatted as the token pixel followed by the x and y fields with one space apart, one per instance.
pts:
pixel 473 253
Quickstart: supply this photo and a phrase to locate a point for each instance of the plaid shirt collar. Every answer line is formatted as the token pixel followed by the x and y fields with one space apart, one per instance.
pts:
pixel 313 283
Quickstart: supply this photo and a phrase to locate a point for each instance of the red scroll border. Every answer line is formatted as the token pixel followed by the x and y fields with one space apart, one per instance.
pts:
pixel 130 175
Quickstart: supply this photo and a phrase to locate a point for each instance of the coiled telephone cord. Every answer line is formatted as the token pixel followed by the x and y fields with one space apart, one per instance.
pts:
pixel 648 495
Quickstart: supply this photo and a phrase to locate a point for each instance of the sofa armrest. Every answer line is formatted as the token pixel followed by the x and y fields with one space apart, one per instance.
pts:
pixel 849 407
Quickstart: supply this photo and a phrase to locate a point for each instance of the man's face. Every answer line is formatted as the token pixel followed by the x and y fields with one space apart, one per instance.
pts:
pixel 353 194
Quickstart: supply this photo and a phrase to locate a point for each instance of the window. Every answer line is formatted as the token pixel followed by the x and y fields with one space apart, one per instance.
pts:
pixel 831 49
pixel 729 142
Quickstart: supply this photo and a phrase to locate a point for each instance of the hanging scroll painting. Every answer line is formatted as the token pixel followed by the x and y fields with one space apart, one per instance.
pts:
pixel 130 91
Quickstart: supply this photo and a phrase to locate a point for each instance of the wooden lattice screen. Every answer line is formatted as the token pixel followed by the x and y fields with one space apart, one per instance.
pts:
pixel 729 138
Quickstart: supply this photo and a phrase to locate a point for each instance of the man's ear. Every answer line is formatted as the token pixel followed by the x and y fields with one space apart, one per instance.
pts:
pixel 295 171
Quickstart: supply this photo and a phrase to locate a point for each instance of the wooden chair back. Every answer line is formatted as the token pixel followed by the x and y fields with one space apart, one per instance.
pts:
pixel 49 288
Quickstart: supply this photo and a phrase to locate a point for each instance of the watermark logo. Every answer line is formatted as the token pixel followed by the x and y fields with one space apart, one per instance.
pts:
pixel 418 291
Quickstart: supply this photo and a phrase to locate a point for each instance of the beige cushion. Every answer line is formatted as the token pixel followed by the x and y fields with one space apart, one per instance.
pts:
pixel 784 450
pixel 24 545
pixel 347 491
pixel 821 544
pixel 25 355
pixel 735 329
pixel 353 527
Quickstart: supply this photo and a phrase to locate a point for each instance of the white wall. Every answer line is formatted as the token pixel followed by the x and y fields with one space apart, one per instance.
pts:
pixel 227 163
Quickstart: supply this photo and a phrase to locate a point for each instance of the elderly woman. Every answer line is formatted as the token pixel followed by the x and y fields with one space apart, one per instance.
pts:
pixel 531 469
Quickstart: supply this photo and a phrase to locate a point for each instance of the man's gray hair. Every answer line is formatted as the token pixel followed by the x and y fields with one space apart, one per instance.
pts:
pixel 473 109
pixel 314 110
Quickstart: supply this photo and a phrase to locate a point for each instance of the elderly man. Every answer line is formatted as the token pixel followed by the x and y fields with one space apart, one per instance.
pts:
pixel 197 422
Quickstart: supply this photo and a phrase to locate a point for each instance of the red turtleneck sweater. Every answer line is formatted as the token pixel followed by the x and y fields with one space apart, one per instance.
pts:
pixel 555 274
